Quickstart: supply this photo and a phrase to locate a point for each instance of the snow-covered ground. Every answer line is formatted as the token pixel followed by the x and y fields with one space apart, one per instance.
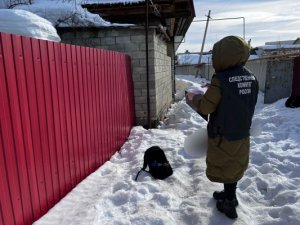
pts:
pixel 268 194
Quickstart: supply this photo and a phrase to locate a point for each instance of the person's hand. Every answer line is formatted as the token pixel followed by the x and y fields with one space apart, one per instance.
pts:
pixel 190 96
pixel 205 85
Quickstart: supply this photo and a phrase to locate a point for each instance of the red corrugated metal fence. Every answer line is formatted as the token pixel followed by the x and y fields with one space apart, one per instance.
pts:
pixel 64 110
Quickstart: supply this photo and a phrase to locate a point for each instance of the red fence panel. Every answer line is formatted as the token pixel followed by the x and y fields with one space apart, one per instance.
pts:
pixel 60 120
pixel 8 130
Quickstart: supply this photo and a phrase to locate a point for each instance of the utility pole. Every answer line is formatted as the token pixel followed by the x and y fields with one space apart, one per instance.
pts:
pixel 231 18
pixel 147 63
pixel 203 42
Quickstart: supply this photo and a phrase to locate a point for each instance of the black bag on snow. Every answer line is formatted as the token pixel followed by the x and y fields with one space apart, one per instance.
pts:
pixel 293 102
pixel 156 160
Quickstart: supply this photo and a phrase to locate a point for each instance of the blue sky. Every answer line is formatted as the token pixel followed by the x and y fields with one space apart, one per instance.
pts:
pixel 265 20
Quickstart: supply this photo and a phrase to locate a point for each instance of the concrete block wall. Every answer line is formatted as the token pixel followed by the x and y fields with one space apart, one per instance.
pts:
pixel 171 53
pixel 131 41
pixel 163 78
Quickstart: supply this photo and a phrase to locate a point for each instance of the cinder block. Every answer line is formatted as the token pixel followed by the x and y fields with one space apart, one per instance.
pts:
pixel 137 38
pixel 123 40
pixel 114 33
pixel 108 40
pixel 66 35
pixel 140 85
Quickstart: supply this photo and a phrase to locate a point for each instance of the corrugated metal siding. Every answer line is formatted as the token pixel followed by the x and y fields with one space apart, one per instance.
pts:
pixel 64 111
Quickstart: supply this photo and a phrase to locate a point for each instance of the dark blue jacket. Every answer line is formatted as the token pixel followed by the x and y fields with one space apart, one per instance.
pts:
pixel 232 119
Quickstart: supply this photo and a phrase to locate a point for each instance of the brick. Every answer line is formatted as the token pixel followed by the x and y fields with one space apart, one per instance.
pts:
pixel 137 38
pixel 67 35
pixel 118 47
pixel 101 33
pixel 137 92
pixel 139 70
pixel 141 107
pixel 108 40
pixel 114 33
pixel 142 99
pixel 140 85
pixel 123 40
pixel 130 46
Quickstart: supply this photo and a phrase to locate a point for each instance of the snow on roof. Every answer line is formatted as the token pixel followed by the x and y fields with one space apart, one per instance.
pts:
pixel 287 42
pixel 68 13
pixel 285 46
pixel 64 13
pixel 39 18
pixel 25 23
pixel 192 59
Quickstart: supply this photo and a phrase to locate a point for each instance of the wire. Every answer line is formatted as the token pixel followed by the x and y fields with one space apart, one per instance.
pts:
pixel 155 10
pixel 225 6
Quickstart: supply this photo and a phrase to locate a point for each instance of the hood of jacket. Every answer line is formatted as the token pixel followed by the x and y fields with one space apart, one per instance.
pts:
pixel 229 52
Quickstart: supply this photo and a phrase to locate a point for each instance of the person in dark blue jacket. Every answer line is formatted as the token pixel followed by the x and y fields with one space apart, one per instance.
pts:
pixel 230 103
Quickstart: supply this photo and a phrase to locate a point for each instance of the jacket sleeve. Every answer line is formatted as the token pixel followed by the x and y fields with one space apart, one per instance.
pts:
pixel 208 103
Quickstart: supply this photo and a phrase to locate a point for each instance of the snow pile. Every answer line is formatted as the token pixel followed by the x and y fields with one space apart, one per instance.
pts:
pixel 39 18
pixel 67 13
pixel 64 13
pixel 25 23
pixel 268 194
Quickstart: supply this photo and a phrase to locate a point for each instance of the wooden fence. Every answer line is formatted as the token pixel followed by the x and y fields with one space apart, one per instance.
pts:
pixel 64 111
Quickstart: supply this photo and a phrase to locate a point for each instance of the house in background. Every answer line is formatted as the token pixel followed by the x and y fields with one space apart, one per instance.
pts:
pixel 287 42
pixel 188 63
pixel 152 70
pixel 274 67
pixel 279 48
